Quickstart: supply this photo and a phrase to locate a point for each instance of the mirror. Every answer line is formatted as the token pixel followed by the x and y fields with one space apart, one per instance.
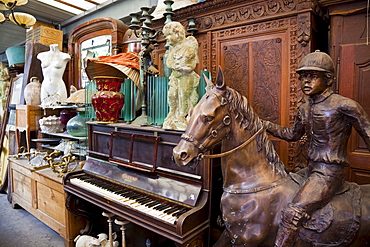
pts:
pixel 93 34
pixel 91 48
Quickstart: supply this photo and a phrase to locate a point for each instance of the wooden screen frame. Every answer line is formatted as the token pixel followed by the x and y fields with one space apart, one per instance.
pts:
pixel 88 30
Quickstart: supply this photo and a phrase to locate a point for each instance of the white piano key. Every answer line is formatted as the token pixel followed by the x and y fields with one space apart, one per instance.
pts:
pixel 132 203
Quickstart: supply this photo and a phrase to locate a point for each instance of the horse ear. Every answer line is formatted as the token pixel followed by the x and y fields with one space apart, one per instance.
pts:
pixel 220 84
pixel 208 81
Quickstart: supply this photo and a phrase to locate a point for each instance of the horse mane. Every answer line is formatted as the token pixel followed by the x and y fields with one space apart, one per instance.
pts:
pixel 249 120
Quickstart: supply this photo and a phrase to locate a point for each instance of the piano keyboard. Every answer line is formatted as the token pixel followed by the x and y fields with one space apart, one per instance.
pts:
pixel 131 199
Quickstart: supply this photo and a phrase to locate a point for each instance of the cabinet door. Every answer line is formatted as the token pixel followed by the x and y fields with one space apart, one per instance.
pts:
pixel 257 66
pixel 354 83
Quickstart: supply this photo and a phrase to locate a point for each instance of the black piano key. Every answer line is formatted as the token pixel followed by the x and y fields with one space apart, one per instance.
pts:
pixel 120 192
pixel 152 204
pixel 167 207
pixel 161 207
pixel 123 192
pixel 149 203
pixel 179 212
pixel 158 206
pixel 171 210
pixel 144 200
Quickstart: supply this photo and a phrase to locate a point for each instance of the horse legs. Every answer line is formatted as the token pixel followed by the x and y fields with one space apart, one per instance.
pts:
pixel 223 241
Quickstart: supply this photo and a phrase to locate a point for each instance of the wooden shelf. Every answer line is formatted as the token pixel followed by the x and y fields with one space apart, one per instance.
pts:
pixel 54 148
pixel 65 135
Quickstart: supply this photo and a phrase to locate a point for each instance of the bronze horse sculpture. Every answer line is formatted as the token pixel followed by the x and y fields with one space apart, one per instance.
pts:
pixel 255 182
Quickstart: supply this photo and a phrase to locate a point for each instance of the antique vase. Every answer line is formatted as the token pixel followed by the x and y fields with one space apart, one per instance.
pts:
pixel 66 114
pixel 32 92
pixel 77 126
pixel 108 100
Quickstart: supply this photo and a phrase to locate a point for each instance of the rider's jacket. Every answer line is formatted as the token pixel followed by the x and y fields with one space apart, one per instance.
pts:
pixel 327 120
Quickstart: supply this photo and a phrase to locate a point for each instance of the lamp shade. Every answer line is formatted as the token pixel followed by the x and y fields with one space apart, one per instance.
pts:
pixel 2 17
pixel 15 55
pixel 3 7
pixel 22 19
pixel 11 2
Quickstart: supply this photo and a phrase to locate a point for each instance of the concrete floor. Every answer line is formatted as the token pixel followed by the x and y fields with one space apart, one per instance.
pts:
pixel 18 228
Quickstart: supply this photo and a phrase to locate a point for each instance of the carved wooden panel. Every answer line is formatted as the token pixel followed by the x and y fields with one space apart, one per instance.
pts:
pixel 254 68
pixel 235 63
pixel 267 78
pixel 259 60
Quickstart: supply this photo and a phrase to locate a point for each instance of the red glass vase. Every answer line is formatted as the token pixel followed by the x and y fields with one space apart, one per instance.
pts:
pixel 108 101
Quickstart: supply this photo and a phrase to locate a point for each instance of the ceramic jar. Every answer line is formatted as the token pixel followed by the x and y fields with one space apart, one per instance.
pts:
pixel 66 114
pixel 77 126
pixel 32 92
pixel 108 101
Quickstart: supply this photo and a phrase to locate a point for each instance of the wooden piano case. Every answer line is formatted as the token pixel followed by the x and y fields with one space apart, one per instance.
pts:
pixel 145 154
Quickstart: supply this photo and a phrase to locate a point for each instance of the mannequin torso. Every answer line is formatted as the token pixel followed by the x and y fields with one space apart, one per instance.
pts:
pixel 53 64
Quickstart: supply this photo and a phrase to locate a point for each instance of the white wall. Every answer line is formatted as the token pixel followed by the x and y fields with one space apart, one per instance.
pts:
pixel 120 9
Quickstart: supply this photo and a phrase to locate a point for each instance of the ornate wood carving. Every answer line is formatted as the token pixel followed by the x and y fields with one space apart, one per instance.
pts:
pixel 267 69
pixel 235 62
pixel 234 11
pixel 224 27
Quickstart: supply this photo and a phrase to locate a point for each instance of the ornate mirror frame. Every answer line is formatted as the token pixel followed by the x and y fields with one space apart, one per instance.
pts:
pixel 88 30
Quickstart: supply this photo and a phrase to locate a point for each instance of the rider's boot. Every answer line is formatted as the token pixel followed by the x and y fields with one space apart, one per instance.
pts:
pixel 291 219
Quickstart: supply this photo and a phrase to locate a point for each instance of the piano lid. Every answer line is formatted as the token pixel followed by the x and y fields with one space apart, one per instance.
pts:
pixel 158 185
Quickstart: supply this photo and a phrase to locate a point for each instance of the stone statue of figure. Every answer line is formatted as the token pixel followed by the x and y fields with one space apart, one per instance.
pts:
pixel 4 87
pixel 182 60
pixel 327 120
pixel 53 64
pixel 4 81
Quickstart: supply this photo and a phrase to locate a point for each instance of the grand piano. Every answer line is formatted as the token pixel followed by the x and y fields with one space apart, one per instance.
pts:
pixel 129 172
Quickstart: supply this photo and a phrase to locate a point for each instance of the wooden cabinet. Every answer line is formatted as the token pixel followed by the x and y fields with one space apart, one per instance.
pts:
pixel 258 44
pixel 41 194
pixel 350 51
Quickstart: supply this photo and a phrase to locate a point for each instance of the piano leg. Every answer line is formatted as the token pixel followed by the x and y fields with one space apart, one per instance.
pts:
pixel 80 207
pixel 122 223
pixel 110 227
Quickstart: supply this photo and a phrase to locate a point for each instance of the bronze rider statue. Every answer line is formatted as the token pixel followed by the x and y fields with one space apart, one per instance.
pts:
pixel 327 119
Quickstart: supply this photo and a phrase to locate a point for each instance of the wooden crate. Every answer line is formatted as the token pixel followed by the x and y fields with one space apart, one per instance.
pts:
pixel 46 35
pixel 41 193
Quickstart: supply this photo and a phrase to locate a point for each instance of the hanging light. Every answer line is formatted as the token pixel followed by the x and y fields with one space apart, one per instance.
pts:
pixel 10 4
pixel 2 18
pixel 21 19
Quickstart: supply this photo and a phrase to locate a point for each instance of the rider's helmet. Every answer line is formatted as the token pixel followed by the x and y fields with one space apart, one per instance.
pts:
pixel 318 61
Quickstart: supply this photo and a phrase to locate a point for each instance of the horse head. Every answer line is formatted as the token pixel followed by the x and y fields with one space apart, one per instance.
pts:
pixel 208 123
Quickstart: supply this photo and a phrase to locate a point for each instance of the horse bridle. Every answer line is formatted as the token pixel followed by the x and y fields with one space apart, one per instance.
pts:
pixel 214 133
pixel 225 123
pixel 223 154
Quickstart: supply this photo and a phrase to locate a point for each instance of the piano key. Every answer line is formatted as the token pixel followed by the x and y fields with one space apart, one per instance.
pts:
pixel 179 213
pixel 131 199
